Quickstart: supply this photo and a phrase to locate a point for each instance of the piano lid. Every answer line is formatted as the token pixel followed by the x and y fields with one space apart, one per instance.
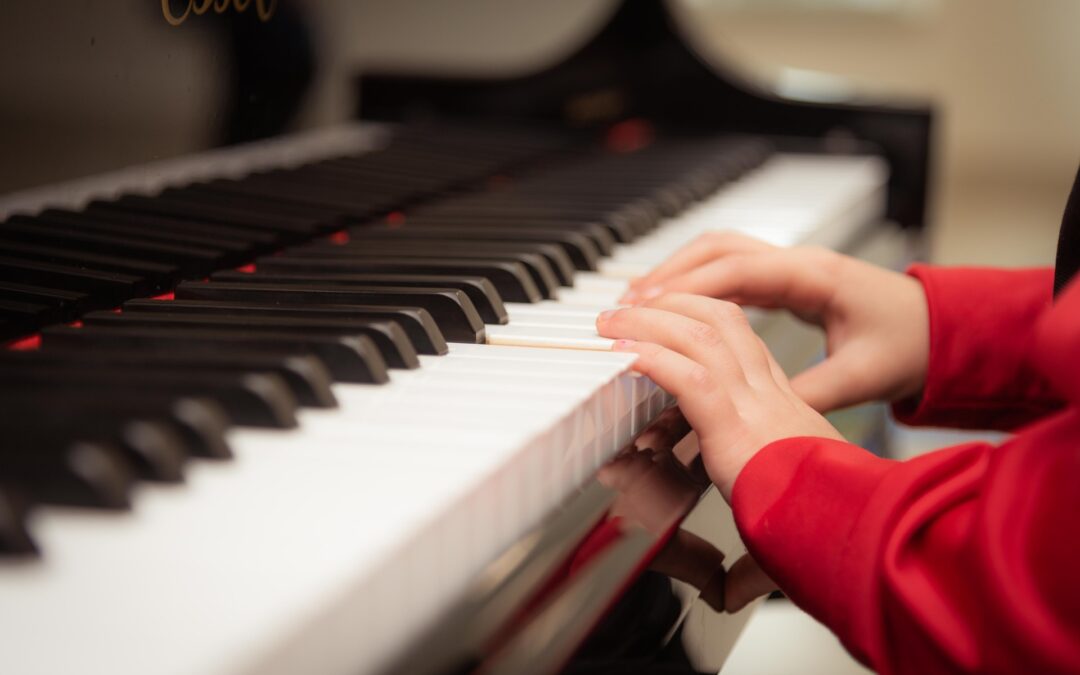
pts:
pixel 641 65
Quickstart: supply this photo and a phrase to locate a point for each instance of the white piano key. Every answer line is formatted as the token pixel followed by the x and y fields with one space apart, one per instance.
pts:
pixel 572 297
pixel 545 336
pixel 551 316
pixel 595 282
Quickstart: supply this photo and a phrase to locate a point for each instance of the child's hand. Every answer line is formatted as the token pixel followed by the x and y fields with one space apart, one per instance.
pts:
pixel 876 321
pixel 727 384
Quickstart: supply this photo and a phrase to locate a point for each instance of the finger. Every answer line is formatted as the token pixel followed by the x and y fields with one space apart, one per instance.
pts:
pixel 688 381
pixel 747 346
pixel 698 252
pixel 666 432
pixel 691 338
pixel 729 321
pixel 794 279
pixel 745 581
pixel 620 472
pixel 836 382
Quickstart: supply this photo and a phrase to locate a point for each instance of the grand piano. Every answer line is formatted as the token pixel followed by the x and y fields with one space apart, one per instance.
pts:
pixel 285 395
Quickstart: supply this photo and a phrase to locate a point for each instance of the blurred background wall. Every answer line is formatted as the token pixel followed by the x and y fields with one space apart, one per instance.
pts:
pixel 1004 75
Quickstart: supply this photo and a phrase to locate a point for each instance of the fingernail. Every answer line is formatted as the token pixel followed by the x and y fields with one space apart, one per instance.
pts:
pixel 622 345
pixel 650 293
pixel 606 315
pixel 629 298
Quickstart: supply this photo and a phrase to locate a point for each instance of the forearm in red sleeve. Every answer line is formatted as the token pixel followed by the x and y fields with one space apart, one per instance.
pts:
pixel 980 373
pixel 962 560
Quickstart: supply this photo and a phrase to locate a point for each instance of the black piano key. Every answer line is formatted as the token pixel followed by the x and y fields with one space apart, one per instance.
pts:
pixel 511 279
pixel 555 270
pixel 162 275
pixel 389 338
pixel 415 321
pixel 344 205
pixel 188 209
pixel 31 313
pixel 199 422
pixel 599 235
pixel 202 192
pixel 480 290
pixel 451 309
pixel 625 220
pixel 154 449
pixel 17 315
pixel 251 399
pixel 349 359
pixel 336 179
pixel 202 422
pixel 99 223
pixel 67 304
pixel 104 288
pixel 15 539
pixel 260 238
pixel 618 229
pixel 663 200
pixel 581 251
pixel 306 376
pixel 193 260
pixel 83 473
pixel 377 186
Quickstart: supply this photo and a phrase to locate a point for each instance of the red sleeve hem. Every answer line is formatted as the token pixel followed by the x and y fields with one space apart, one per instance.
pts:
pixel 980 372
pixel 798 505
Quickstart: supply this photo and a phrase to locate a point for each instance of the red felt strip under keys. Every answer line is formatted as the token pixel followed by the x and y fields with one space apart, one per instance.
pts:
pixel 28 343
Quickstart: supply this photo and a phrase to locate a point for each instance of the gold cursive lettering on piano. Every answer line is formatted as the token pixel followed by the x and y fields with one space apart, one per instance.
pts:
pixel 601 105
pixel 263 8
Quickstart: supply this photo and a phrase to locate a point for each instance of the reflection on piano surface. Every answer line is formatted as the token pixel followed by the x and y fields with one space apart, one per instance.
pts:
pixel 334 401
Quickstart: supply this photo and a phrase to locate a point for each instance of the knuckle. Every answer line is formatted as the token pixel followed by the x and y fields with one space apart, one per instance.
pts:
pixel 700 378
pixel 728 312
pixel 715 239
pixel 620 319
pixel 679 297
pixel 822 257
pixel 704 335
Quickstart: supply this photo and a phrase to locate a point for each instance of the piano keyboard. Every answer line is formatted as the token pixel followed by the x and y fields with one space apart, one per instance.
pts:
pixel 399 397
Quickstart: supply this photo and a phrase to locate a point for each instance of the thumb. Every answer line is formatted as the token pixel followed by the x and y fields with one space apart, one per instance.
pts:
pixel 745 582
pixel 836 382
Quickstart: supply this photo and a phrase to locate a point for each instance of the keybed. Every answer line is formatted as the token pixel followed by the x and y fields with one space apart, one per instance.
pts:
pixel 366 363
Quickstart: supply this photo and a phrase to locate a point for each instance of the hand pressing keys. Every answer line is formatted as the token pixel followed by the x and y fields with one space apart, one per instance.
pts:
pixel 730 390
pixel 727 384
pixel 875 320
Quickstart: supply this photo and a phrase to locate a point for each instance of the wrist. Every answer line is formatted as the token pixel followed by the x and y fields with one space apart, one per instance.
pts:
pixel 724 471
pixel 917 361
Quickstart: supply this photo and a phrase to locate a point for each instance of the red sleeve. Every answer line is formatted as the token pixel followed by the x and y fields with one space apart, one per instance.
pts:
pixel 962 560
pixel 980 374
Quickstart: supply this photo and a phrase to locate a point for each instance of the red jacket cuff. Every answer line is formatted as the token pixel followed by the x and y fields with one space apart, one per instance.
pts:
pixel 798 505
pixel 980 373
